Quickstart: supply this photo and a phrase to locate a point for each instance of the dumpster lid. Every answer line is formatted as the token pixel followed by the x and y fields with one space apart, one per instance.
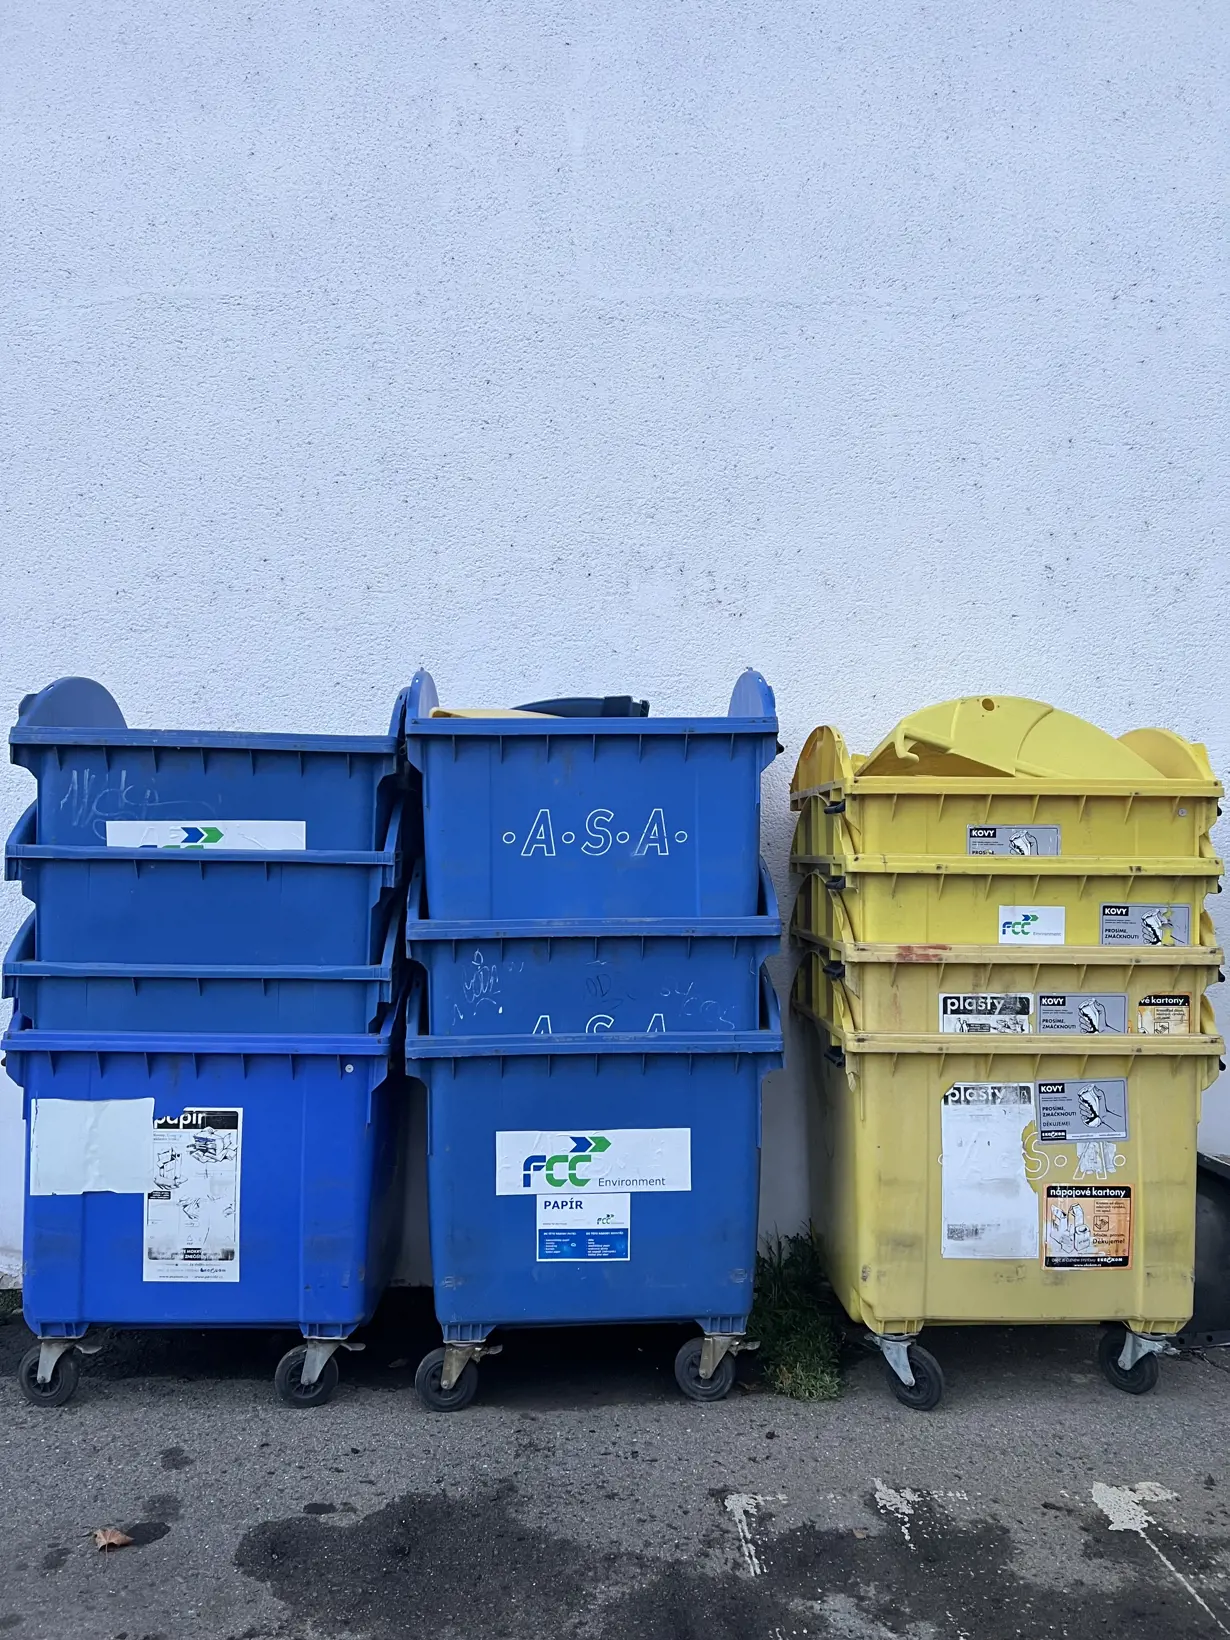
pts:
pixel 1005 737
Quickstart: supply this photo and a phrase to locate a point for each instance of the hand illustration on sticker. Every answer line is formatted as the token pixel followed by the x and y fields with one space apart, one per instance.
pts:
pixel 1023 842
pixel 1067 1234
pixel 1092 1016
pixel 1158 927
pixel 1096 1110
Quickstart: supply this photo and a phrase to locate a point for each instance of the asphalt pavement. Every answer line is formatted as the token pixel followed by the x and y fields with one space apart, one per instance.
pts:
pixel 581 1496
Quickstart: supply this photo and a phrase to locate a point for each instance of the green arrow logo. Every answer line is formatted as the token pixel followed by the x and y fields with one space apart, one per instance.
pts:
pixel 598 1143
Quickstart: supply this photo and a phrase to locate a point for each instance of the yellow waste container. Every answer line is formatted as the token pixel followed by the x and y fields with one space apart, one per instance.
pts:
pixel 1003 1178
pixel 995 777
pixel 1006 957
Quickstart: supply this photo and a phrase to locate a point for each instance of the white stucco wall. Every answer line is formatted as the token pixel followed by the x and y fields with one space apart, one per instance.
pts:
pixel 569 347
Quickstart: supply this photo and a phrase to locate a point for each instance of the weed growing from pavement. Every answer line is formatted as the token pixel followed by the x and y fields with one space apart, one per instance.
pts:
pixel 10 1301
pixel 793 1319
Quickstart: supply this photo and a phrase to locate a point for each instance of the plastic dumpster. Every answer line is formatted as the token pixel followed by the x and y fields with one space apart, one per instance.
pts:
pixel 1007 957
pixel 886 988
pixel 993 776
pixel 227 997
pixel 206 1181
pixel 1002 1179
pixel 572 1185
pixel 528 816
pixel 572 975
pixel 101 783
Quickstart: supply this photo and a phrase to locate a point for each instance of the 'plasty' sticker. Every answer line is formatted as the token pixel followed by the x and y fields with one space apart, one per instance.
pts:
pixel 985 1012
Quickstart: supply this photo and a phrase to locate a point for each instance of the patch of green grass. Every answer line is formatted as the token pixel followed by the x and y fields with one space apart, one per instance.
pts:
pixel 792 1316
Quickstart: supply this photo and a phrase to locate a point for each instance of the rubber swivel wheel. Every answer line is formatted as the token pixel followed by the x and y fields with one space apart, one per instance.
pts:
pixel 1138 1379
pixel 427 1381
pixel 59 1386
pixel 687 1374
pixel 927 1390
pixel 288 1380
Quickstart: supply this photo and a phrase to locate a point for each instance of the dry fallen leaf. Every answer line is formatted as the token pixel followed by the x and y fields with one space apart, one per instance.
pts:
pixel 107 1537
pixel 861 1532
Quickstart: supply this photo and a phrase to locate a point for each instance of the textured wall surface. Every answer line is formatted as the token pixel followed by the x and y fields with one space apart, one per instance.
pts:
pixel 579 348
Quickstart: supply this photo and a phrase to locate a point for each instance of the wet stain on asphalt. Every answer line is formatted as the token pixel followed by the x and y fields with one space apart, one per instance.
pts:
pixel 430 1563
pixel 175 1458
pixel 146 1531
pixel 55 1559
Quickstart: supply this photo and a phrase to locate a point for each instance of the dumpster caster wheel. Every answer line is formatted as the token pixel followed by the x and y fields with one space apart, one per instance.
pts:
pixel 687 1374
pixel 288 1380
pixel 58 1388
pixel 927 1390
pixel 433 1395
pixel 1135 1380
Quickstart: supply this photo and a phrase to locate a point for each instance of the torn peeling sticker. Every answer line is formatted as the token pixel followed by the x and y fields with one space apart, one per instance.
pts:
pixel 79 1145
pixel 1122 1506
pixel 989 1209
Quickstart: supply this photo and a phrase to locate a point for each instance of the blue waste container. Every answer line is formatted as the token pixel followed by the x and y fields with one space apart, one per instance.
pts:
pixel 230 997
pixel 540 817
pixel 618 974
pixel 101 783
pixel 569 1184
pixel 206 1181
pixel 188 906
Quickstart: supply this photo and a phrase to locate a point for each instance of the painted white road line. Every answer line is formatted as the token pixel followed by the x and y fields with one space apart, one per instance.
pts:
pixel 743 1508
pixel 1124 1511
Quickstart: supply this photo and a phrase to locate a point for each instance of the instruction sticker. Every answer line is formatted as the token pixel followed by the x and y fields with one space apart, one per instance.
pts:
pixel 192 1212
pixel 1164 1014
pixel 1024 841
pixel 263 836
pixel 985 1011
pixel 616 1162
pixel 1088 1227
pixel 1146 925
pixel 1083 1013
pixel 574 1229
pixel 988 1207
pixel 1031 924
pixel 1071 1112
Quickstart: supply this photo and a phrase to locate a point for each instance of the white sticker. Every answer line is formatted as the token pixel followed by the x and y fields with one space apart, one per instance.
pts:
pixel 533 1162
pixel 192 1210
pixel 985 1012
pixel 573 1229
pixel 1083 1013
pixel 1031 924
pixel 78 1145
pixel 988 1208
pixel 1022 841
pixel 262 836
pixel 1146 925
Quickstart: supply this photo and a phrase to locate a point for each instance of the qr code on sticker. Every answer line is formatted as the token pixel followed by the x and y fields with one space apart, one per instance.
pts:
pixel 965 1232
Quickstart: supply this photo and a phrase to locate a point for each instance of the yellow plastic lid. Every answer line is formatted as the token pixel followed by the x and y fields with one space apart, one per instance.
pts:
pixel 1002 737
